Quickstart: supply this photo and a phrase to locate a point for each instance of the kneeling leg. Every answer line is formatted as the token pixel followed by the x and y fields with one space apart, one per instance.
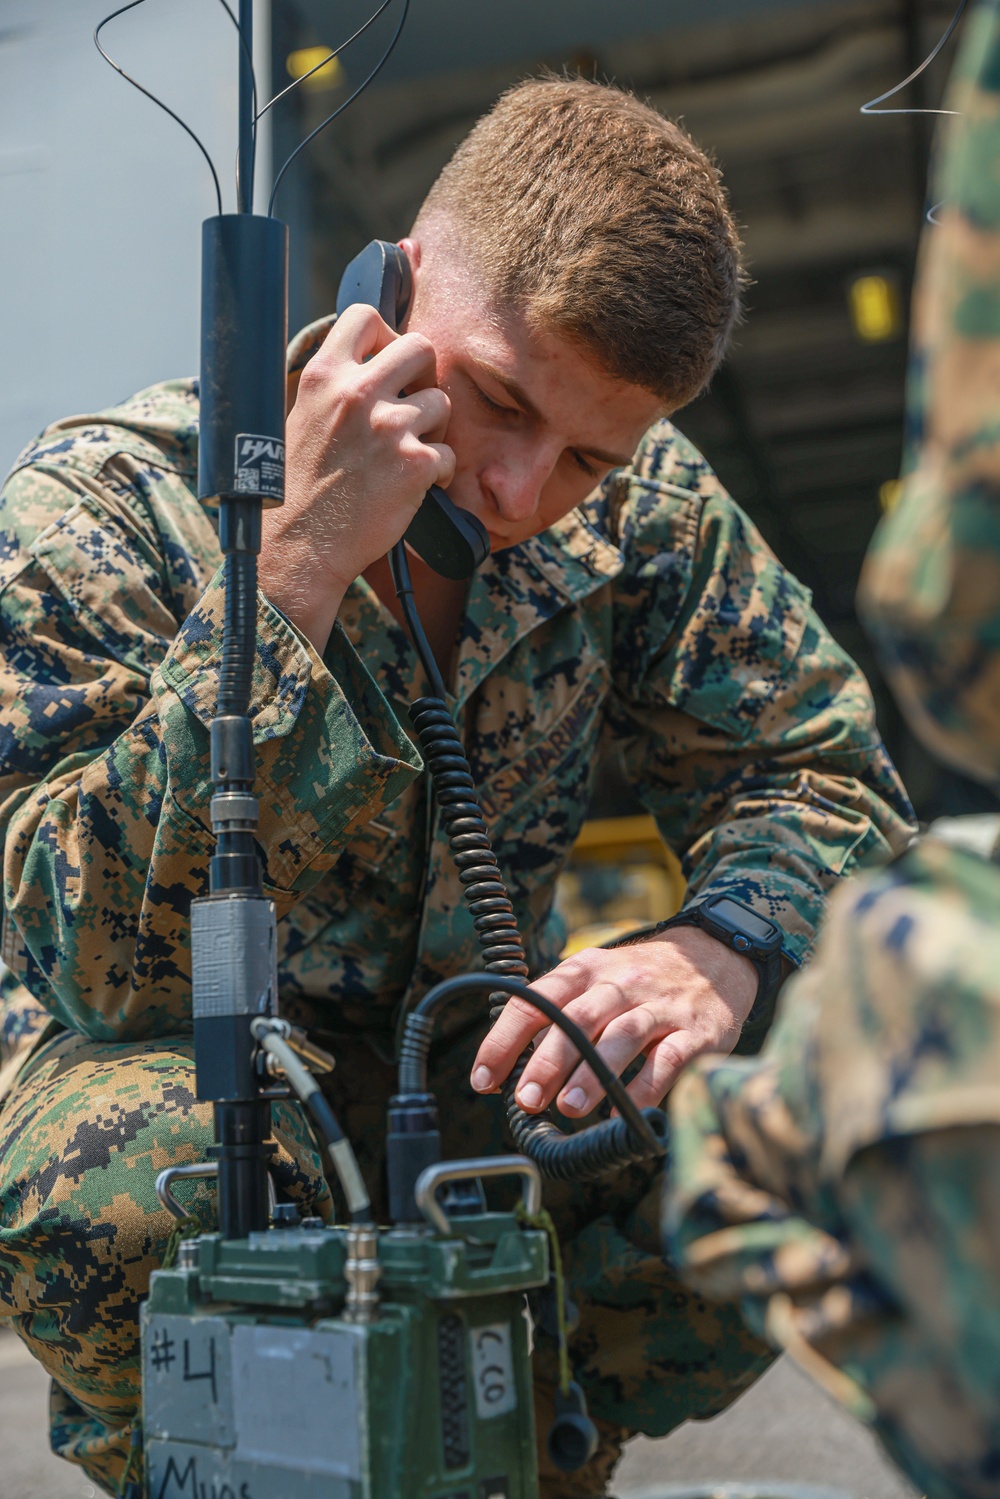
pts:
pixel 84 1133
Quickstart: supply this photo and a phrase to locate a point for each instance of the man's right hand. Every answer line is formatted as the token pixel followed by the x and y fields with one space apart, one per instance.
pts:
pixel 359 459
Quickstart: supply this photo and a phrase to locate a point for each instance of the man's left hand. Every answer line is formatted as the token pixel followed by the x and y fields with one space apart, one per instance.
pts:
pixel 670 998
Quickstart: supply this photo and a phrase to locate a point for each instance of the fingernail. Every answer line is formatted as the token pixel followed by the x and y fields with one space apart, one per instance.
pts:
pixel 575 1099
pixel 482 1079
pixel 530 1096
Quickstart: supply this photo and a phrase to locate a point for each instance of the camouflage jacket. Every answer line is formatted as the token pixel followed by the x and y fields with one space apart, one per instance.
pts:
pixel 654 616
pixel 760 1144
pixel 842 1185
pixel 930 591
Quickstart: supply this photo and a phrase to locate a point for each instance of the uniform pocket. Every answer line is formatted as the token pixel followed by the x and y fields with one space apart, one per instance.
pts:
pixel 104 570
pixel 557 765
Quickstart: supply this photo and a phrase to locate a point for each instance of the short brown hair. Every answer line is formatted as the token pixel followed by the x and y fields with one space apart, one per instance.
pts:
pixel 605 223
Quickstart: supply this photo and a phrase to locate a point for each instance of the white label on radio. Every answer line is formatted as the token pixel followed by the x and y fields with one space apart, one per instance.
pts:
pixel 493 1370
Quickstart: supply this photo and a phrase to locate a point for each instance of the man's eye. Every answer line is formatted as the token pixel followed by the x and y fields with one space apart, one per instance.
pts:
pixel 581 462
pixel 492 406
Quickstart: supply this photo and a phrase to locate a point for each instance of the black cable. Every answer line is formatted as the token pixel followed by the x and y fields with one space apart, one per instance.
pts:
pixel 869 108
pixel 638 1135
pixel 340 110
pixel 399 566
pixel 328 59
pixel 435 999
pixel 158 102
pixel 469 840
pixel 600 1147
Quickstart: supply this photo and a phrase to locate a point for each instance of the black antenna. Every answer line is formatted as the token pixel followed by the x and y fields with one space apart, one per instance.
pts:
pixel 247 150
pixel 302 78
pixel 158 102
pixel 241 465
pixel 244 29
pixel 348 101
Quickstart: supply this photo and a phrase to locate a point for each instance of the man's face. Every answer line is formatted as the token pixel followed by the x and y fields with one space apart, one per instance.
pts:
pixel 535 424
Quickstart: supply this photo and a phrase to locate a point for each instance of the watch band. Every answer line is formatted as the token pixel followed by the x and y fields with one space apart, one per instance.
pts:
pixel 770 973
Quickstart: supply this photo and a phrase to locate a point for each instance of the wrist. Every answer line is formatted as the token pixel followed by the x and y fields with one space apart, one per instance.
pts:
pixel 738 929
pixel 731 974
pixel 295 581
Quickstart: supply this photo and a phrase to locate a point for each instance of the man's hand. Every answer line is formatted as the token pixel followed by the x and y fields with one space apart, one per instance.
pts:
pixel 670 998
pixel 360 458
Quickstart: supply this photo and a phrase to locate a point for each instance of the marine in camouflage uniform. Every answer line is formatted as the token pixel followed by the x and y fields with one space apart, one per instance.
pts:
pixel 844 1183
pixel 654 618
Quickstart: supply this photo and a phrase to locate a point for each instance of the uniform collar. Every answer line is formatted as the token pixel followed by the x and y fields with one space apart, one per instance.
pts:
pixel 522 587
pixel 512 594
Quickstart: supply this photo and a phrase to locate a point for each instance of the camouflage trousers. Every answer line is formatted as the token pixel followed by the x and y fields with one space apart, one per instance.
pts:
pixel 88 1125
pixel 845 1184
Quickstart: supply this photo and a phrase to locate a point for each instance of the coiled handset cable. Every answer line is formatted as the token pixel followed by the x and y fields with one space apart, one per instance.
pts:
pixel 606 1146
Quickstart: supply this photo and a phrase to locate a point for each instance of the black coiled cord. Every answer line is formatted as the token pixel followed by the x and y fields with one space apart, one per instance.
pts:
pixel 638 1135
pixel 590 1152
pixel 468 836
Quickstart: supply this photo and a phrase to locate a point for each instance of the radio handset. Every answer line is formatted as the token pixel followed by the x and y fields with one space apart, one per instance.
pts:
pixel 450 540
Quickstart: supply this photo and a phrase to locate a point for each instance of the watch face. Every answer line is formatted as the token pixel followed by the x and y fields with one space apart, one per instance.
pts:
pixel 739 918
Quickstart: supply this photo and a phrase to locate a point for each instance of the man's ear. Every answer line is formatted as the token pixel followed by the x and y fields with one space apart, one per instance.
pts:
pixel 411 249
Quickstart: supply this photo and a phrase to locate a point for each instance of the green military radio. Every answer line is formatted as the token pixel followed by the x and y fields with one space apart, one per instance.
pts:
pixel 348 1363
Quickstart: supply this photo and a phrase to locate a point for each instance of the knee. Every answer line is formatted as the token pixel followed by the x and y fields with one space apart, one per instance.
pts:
pixel 83 1135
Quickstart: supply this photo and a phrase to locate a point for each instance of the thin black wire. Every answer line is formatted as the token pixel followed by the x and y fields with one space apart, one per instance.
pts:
pixel 436 998
pixel 253 78
pixel 159 102
pixel 399 566
pixel 329 58
pixel 869 108
pixel 339 111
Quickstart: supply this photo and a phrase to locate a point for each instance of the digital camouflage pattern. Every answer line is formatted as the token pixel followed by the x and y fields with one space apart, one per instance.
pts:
pixel 82 1137
pixel 931 582
pixel 654 618
pixel 844 1183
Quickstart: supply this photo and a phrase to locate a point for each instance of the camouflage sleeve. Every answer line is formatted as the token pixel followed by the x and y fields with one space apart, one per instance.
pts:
pixel 105 701
pixel 747 731
pixel 834 1183
pixel 893 1030
pixel 930 590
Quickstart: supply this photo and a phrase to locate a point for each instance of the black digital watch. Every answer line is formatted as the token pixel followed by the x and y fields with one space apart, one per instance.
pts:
pixel 750 934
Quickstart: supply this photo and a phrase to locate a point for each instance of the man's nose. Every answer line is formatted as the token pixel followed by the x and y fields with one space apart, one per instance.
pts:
pixel 517 483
